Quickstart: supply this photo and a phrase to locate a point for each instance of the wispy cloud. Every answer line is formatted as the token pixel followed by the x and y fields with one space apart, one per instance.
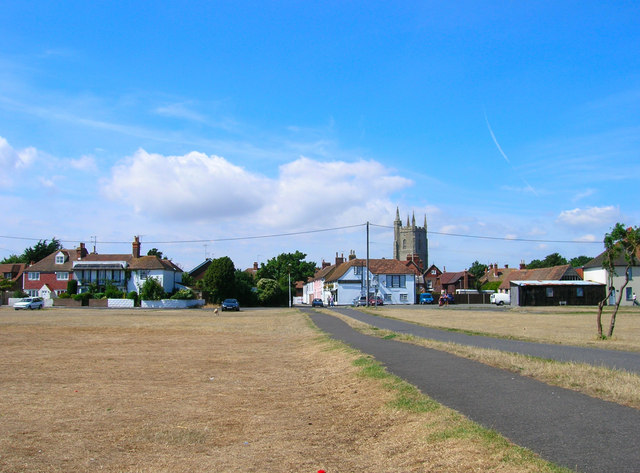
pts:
pixel 590 216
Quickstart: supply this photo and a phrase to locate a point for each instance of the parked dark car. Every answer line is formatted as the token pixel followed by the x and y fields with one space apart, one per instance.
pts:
pixel 317 303
pixel 376 301
pixel 230 304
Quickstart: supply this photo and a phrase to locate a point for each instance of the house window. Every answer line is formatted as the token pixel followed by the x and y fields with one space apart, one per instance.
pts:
pixel 387 298
pixel 357 270
pixel 32 292
pixel 434 272
pixel 59 259
pixel 629 291
pixel 549 292
pixel 7 276
pixel 396 280
pixel 143 274
pixel 62 276
pixel 404 298
pixel 630 273
pixel 34 276
pixel 59 291
pixel 404 244
pixel 579 291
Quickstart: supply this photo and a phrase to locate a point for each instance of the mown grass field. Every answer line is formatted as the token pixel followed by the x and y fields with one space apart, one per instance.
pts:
pixel 259 390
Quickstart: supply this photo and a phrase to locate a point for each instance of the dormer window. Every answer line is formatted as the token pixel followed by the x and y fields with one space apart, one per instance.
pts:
pixel 60 258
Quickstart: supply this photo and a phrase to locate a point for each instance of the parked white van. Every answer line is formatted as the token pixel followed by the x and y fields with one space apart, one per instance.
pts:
pixel 500 298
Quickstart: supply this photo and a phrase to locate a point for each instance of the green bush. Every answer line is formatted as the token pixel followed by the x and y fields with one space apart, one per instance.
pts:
pixel 99 295
pixel 20 294
pixel 134 296
pixel 84 297
pixel 112 292
pixel 72 286
pixel 64 295
pixel 151 290
pixel 184 294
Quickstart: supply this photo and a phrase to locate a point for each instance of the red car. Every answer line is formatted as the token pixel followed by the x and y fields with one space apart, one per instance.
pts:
pixel 376 301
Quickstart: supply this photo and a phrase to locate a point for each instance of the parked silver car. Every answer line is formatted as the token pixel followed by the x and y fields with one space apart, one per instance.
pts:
pixel 29 303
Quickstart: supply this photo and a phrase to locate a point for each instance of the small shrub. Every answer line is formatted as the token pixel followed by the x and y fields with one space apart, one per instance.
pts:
pixel 72 286
pixel 84 297
pixel 134 296
pixel 99 295
pixel 184 294
pixel 20 294
pixel 64 295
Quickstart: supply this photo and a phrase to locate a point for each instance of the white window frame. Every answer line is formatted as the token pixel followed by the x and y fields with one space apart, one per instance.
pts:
pixel 34 276
pixel 59 259
pixel 143 274
pixel 404 297
pixel 62 275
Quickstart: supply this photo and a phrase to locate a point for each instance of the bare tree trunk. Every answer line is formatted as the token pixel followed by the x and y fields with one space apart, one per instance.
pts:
pixel 618 301
pixel 599 317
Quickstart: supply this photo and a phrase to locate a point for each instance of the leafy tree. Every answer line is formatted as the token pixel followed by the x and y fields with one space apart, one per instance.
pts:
pixel 477 269
pixel 579 261
pixel 154 252
pixel 12 259
pixel 621 249
pixel 72 286
pixel 6 284
pixel 40 250
pixel 187 279
pixel 151 290
pixel 287 267
pixel 245 292
pixel 554 259
pixel 111 291
pixel 269 292
pixel 219 281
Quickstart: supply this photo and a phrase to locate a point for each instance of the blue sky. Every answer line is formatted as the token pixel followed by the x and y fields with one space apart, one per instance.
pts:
pixel 193 121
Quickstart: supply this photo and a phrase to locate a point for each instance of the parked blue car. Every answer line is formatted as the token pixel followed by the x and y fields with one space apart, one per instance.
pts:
pixel 230 304
pixel 426 298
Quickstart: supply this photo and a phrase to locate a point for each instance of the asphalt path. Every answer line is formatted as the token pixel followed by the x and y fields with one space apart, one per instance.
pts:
pixel 629 361
pixel 565 427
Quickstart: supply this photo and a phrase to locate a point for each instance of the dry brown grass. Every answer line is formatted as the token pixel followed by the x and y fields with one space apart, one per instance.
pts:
pixel 151 391
pixel 568 325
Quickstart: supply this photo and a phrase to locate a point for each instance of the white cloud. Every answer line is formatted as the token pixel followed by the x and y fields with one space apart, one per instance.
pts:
pixel 587 238
pixel 84 163
pixel 198 187
pixel 590 217
pixel 12 160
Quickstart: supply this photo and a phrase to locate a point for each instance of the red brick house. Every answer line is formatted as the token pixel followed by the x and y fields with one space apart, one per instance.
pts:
pixel 49 276
pixel 13 272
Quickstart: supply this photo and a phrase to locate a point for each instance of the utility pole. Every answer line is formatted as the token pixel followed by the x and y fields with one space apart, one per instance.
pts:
pixel 367 269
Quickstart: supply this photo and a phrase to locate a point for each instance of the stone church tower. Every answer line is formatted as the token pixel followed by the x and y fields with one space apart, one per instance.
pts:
pixel 410 240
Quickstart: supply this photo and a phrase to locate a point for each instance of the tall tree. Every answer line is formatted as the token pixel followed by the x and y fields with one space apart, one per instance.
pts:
pixel 579 261
pixel 154 252
pixel 219 281
pixel 285 268
pixel 621 249
pixel 554 259
pixel 477 270
pixel 35 253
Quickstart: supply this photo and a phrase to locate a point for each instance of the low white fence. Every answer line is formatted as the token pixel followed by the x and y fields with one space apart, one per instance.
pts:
pixel 172 304
pixel 120 303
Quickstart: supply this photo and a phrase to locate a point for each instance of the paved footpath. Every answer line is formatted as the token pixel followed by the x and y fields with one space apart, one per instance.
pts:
pixel 629 361
pixel 562 426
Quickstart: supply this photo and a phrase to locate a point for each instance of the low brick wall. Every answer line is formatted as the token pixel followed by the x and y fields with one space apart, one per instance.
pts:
pixel 98 302
pixel 66 303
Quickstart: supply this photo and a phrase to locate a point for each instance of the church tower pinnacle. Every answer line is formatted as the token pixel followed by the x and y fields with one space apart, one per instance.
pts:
pixel 410 242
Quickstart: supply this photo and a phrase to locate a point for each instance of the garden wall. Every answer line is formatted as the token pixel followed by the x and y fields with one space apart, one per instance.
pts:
pixel 172 304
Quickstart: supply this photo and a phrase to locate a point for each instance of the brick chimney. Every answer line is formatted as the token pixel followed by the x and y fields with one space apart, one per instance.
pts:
pixel 81 252
pixel 135 247
pixel 522 265
pixel 255 265
pixel 352 255
pixel 339 259
pixel 506 266
pixel 325 264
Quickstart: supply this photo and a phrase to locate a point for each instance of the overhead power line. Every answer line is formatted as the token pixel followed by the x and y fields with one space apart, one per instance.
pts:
pixel 307 232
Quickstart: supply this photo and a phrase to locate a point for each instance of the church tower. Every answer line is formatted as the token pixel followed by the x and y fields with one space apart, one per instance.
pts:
pixel 410 240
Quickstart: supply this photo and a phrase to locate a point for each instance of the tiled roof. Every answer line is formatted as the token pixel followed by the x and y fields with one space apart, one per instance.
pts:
pixel 48 263
pixel 14 268
pixel 555 273
pixel 451 278
pixel 376 266
pixel 152 262
pixel 619 261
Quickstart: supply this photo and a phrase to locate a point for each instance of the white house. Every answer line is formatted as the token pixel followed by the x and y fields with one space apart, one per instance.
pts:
pixel 593 271
pixel 389 279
